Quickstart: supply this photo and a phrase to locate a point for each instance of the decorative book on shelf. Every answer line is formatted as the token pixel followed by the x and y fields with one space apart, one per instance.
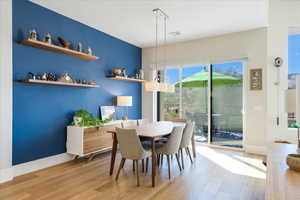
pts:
pixel 58 83
pixel 122 78
pixel 58 49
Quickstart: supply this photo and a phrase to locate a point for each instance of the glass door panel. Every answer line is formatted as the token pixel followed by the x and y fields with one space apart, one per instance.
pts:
pixel 227 104
pixel 170 102
pixel 194 99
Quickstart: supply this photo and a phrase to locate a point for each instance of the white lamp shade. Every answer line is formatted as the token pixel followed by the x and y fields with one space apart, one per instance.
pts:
pixel 124 100
pixel 171 88
pixel 163 87
pixel 151 86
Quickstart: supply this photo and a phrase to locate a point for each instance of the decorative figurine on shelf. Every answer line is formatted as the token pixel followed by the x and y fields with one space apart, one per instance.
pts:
pixel 89 51
pixel 64 43
pixel 33 34
pixel 141 74
pixel 50 77
pixel 116 72
pixel 124 73
pixel 47 38
pixel 79 47
pixel 66 78
pixel 32 76
pixel 44 76
pixel 92 82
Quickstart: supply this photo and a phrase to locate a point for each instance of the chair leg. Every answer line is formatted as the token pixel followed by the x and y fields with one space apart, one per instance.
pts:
pixel 187 149
pixel 178 162
pixel 133 166
pixel 169 168
pixel 162 160
pixel 182 158
pixel 120 167
pixel 147 164
pixel 143 166
pixel 137 173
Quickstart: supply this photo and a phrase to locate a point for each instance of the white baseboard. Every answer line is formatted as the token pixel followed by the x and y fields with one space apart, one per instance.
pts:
pixel 261 150
pixel 35 165
pixel 6 174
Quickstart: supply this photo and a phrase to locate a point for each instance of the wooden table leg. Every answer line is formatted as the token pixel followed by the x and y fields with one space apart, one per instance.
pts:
pixel 113 154
pixel 194 146
pixel 153 162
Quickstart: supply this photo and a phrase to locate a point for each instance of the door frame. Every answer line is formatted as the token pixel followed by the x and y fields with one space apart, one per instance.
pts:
pixel 209 100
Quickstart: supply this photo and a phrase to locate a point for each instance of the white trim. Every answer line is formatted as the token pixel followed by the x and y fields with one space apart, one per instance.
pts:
pixel 6 174
pixel 6 83
pixel 261 150
pixel 43 163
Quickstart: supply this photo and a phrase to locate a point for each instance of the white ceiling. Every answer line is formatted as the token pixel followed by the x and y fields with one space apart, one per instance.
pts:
pixel 134 22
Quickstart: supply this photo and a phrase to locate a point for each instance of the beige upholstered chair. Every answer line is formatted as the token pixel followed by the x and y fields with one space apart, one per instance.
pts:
pixel 171 147
pixel 142 121
pixel 186 140
pixel 128 123
pixel 130 148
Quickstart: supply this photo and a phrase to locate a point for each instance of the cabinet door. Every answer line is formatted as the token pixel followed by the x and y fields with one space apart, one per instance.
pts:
pixel 97 139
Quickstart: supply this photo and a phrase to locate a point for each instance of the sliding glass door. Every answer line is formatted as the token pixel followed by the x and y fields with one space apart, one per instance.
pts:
pixel 212 97
pixel 227 104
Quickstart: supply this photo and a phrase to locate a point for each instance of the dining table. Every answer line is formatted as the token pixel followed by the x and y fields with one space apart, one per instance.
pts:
pixel 151 132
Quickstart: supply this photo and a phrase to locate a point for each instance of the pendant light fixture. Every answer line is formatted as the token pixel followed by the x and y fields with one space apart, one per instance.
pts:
pixel 154 85
pixel 163 86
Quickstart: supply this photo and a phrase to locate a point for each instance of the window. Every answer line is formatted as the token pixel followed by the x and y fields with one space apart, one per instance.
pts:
pixel 293 72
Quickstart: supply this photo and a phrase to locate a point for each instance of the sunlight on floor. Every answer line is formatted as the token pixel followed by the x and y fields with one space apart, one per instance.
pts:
pixel 237 164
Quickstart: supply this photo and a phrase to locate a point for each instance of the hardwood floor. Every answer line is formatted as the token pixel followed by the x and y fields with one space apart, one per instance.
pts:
pixel 215 174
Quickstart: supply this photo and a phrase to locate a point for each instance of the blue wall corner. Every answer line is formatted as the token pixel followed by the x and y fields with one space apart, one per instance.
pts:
pixel 40 112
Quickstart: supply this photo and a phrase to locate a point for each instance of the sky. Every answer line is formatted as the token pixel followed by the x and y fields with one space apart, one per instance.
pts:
pixel 294 54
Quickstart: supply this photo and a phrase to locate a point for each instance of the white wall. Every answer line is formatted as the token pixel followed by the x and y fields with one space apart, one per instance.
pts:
pixel 249 44
pixel 6 172
pixel 282 15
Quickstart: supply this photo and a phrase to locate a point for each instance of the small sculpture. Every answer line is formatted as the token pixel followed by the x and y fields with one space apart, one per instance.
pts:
pixel 79 47
pixel 63 42
pixel 47 38
pixel 66 78
pixel 89 51
pixel 33 34
pixel 44 76
pixel 50 77
pixel 32 75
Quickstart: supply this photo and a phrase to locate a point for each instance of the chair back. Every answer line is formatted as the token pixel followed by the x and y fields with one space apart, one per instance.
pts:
pixel 142 121
pixel 173 144
pixel 129 143
pixel 187 134
pixel 128 123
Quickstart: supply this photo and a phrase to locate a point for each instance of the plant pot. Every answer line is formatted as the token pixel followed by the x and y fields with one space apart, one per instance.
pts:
pixel 77 120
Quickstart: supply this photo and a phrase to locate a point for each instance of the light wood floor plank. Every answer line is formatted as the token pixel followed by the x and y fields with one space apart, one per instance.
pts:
pixel 215 174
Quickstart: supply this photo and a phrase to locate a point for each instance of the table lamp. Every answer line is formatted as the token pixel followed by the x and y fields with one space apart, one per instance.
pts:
pixel 124 101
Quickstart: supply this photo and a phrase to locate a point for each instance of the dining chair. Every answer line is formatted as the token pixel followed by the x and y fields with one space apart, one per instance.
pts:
pixel 171 147
pixel 128 123
pixel 142 122
pixel 186 141
pixel 130 148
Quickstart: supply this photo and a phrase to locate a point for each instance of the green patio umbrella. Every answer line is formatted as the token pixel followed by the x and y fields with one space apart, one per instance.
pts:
pixel 200 79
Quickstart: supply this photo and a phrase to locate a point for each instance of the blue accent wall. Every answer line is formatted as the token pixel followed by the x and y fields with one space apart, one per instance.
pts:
pixel 41 112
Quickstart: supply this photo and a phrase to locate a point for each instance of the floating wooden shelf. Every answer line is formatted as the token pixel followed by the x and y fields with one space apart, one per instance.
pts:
pixel 57 49
pixel 58 83
pixel 121 78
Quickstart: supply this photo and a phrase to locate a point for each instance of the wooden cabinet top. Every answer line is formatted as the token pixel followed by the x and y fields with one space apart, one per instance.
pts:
pixel 282 182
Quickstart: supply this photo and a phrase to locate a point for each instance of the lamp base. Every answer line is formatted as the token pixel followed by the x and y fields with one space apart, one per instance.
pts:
pixel 124 118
